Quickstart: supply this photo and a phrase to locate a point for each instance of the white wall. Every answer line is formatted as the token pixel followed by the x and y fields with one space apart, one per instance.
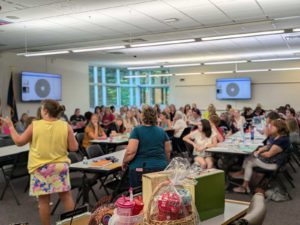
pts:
pixel 75 83
pixel 271 89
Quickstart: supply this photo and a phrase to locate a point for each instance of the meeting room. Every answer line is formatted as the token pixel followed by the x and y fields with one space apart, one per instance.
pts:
pixel 149 112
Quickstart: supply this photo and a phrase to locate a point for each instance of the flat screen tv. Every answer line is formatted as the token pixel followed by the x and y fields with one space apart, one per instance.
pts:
pixel 233 88
pixel 39 86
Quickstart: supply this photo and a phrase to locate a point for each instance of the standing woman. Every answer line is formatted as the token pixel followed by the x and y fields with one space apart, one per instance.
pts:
pixel 48 163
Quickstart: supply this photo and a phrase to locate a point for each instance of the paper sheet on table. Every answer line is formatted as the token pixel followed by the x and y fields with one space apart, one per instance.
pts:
pixel 101 163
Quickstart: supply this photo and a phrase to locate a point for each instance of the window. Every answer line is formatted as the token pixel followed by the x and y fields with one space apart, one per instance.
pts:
pixel 111 86
pixel 110 75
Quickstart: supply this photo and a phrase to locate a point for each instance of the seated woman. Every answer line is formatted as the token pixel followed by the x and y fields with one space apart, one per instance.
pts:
pixel 202 139
pixel 293 127
pixel 178 124
pixel 108 118
pixel 116 128
pixel 92 131
pixel 165 122
pixel 268 157
pixel 214 123
pixel 148 148
pixel 130 121
pixel 196 117
pixel 21 125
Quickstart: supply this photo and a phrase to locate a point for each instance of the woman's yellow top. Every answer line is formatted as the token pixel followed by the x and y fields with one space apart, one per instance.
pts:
pixel 49 143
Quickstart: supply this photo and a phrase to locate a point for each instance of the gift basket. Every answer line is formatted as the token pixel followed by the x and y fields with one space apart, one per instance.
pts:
pixel 171 203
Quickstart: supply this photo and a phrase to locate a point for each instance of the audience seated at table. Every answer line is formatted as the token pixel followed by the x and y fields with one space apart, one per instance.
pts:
pixel 77 118
pixel 99 112
pixel 92 131
pixel 63 115
pixel 268 157
pixel 196 117
pixel 108 118
pixel 202 139
pixel 148 148
pixel 22 123
pixel 224 124
pixel 130 121
pixel 211 110
pixel 214 123
pixel 178 124
pixel 293 132
pixel 116 128
pixel 172 112
pixel 164 121
pixel 238 122
pixel 248 115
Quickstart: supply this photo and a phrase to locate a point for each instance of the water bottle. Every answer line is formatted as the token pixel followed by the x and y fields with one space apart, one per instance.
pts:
pixel 85 161
pixel 242 134
pixel 252 133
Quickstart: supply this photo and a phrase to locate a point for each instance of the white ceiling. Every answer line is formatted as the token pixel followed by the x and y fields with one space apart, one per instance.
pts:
pixel 53 24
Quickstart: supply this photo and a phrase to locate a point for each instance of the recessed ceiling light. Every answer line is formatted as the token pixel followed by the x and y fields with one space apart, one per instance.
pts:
pixel 13 17
pixel 171 20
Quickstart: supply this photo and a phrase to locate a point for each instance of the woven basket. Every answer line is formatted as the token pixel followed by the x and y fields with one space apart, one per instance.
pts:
pixel 150 220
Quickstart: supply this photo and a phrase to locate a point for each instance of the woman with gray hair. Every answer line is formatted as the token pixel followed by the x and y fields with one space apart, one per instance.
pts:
pixel 178 124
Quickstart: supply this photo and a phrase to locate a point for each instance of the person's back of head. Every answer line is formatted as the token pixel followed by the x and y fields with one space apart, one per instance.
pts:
pixel 53 108
pixel 273 116
pixel 149 116
pixel 292 125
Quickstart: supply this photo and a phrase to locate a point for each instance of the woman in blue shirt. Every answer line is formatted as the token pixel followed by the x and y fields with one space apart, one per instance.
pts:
pixel 148 148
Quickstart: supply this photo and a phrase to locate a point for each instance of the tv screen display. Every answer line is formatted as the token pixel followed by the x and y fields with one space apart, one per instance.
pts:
pixel 39 86
pixel 233 88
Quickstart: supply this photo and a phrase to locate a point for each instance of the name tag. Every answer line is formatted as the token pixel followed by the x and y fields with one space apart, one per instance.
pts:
pixel 139 169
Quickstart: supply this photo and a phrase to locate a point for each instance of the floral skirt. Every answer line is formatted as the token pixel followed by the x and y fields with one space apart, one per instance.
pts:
pixel 50 178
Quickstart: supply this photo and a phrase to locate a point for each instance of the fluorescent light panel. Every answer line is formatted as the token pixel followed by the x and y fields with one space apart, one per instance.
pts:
pixel 127 77
pixel 296 30
pixel 275 59
pixel 143 67
pixel 219 72
pixel 252 71
pixel 285 69
pixel 30 54
pixel 163 43
pixel 162 75
pixel 187 74
pixel 225 62
pixel 182 65
pixel 98 49
pixel 242 35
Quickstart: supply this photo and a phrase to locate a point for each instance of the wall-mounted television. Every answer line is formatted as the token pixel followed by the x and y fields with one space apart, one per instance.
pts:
pixel 233 88
pixel 40 86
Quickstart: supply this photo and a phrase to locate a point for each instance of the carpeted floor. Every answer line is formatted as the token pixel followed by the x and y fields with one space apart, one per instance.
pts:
pixel 278 213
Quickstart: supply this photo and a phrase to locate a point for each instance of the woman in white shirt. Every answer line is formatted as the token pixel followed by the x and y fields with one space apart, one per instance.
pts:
pixel 238 120
pixel 202 139
pixel 178 124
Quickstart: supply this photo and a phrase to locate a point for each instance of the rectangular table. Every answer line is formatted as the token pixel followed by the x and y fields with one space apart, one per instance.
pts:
pixel 110 142
pixel 88 168
pixel 233 211
pixel 11 150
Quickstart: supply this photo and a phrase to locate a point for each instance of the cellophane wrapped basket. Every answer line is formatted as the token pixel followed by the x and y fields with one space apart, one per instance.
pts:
pixel 171 203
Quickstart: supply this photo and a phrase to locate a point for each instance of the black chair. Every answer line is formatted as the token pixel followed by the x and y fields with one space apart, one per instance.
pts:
pixel 79 137
pixel 271 175
pixel 78 182
pixel 179 146
pixel 13 168
pixel 94 151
